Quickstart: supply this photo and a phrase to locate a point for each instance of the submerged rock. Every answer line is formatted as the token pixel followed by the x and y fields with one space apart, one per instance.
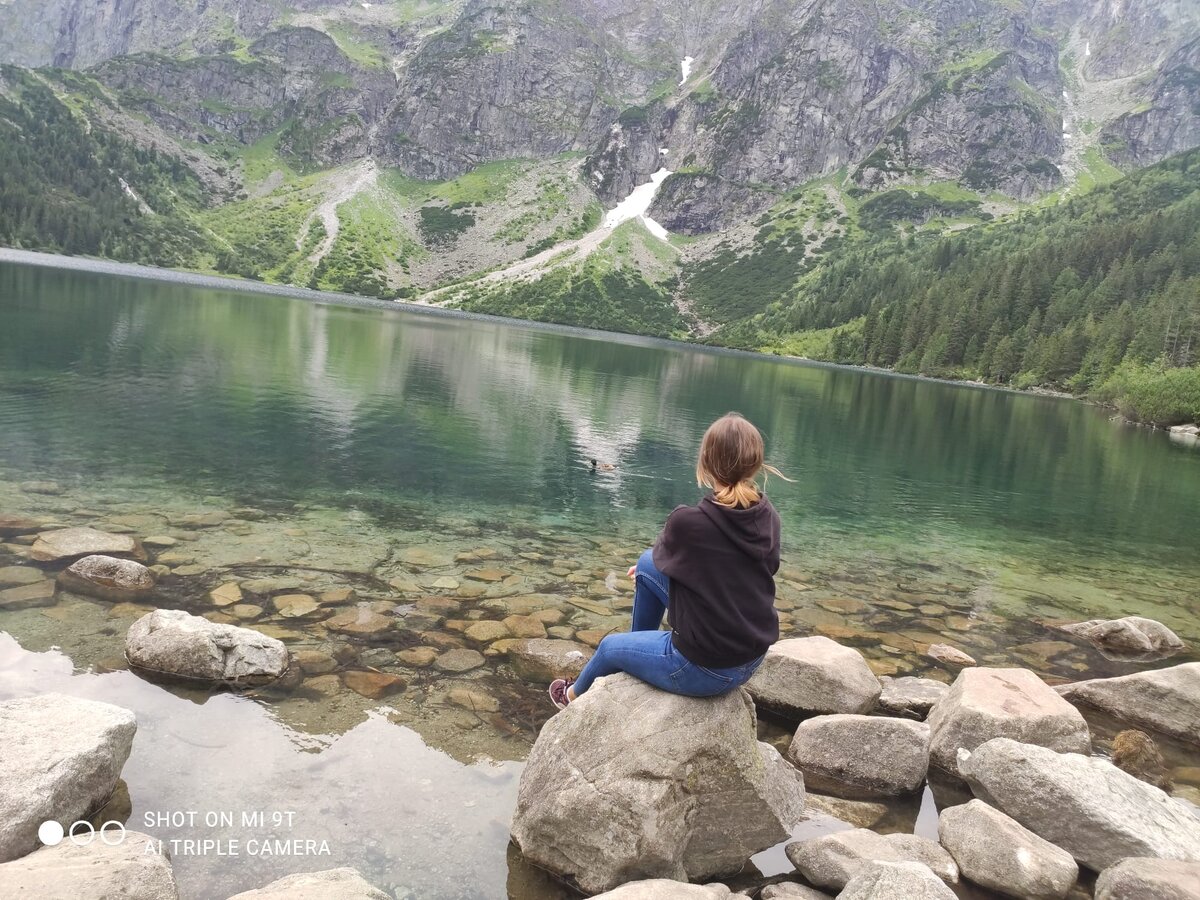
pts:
pixel 26 596
pixel 1129 636
pixel 71 543
pixel 11 526
pixel 62 758
pixel 896 881
pixel 682 789
pixel 541 660
pixel 374 685
pixel 130 870
pixel 944 653
pixel 11 576
pixel 1141 878
pixel 988 703
pixel 172 642
pixel 331 884
pixel 1086 806
pixel 910 696
pixel 814 675
pixel 666 889
pixel 1136 753
pixel 996 851
pixel 1163 700
pixel 108 578
pixel 861 756
pixel 361 622
pixel 459 660
pixel 832 860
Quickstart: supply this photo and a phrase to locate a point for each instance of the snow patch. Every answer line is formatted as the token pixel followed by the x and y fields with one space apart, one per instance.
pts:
pixel 1087 49
pixel 635 205
pixel 686 65
pixel 663 150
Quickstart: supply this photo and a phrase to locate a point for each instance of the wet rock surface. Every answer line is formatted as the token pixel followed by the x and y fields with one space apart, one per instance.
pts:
pixel 1085 805
pixel 1164 700
pixel 861 756
pixel 910 696
pixel 657 797
pixel 108 578
pixel 541 660
pixel 130 870
pixel 1130 636
pixel 814 675
pixel 985 703
pixel 62 759
pixel 996 851
pixel 832 860
pixel 176 643
pixel 71 543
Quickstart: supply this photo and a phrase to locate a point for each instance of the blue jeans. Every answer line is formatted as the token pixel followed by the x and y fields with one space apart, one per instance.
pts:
pixel 649 654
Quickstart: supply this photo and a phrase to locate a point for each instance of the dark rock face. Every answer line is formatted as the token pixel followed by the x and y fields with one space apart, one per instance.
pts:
pixel 1169 122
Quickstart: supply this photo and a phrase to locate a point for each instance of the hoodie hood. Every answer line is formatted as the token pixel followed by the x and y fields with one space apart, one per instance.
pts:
pixel 753 530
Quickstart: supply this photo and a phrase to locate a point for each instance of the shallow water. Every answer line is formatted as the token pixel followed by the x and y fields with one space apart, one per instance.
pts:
pixel 439 467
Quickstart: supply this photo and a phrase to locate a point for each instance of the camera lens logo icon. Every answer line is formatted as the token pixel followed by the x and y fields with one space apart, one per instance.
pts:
pixel 81 833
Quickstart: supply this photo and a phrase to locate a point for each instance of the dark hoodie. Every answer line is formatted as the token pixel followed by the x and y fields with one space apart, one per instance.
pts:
pixel 721 563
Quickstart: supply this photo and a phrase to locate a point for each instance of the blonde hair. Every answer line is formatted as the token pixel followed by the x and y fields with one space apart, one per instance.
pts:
pixel 731 457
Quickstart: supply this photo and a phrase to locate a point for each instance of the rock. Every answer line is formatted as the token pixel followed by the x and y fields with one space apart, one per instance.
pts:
pixel 130 870
pixel 1140 878
pixel 487 631
pixel 998 852
pixel 476 701
pixel 1128 636
pixel 541 660
pixel 40 593
pixel 459 660
pixel 108 578
pixel 657 796
pixel 417 657
pixel 909 696
pixel 789 890
pixel 295 606
pixel 315 662
pixel 11 526
pixel 861 756
pixel 1163 700
pixel 666 889
pixel 336 596
pixel 62 758
pixel 944 653
pixel 52 488
pixel 11 576
pixel 445 583
pixel 489 576
pixel 591 636
pixel 525 627
pixel 71 543
pixel 832 860
pixel 331 884
pixel 858 813
pixel 361 622
pixel 1086 806
pixel 246 610
pixel 814 675
pixel 160 540
pixel 429 557
pixel 377 658
pixel 986 703
pixel 896 881
pixel 173 642
pixel 374 685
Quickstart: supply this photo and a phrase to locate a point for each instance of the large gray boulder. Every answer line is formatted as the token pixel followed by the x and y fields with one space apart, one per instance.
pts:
pixel 71 543
pixel 629 782
pixel 330 884
pixel 1149 879
pixel 832 860
pixel 62 757
pixel 173 642
pixel 986 703
pixel 666 889
pixel 108 578
pixel 861 756
pixel 896 881
pixel 803 676
pixel 996 851
pixel 1164 700
pixel 1129 636
pixel 130 870
pixel 1085 805
pixel 910 696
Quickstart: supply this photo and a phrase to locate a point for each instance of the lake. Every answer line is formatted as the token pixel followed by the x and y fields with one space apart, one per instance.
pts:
pixel 438 467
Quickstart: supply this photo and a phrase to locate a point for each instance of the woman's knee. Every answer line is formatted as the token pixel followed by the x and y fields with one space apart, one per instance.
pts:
pixel 645 563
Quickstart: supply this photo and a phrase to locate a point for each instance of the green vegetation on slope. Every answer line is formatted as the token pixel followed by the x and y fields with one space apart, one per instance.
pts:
pixel 63 184
pixel 1062 297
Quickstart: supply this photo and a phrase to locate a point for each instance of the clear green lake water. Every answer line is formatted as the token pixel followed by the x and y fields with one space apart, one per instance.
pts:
pixel 294 446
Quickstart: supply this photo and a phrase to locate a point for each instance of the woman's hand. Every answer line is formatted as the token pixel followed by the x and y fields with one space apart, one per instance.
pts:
pixel 632 569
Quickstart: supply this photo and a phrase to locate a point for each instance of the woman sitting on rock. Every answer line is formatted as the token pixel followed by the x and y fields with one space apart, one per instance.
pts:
pixel 713 567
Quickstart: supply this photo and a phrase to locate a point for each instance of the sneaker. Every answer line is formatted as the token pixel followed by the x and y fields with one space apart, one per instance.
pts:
pixel 558 692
